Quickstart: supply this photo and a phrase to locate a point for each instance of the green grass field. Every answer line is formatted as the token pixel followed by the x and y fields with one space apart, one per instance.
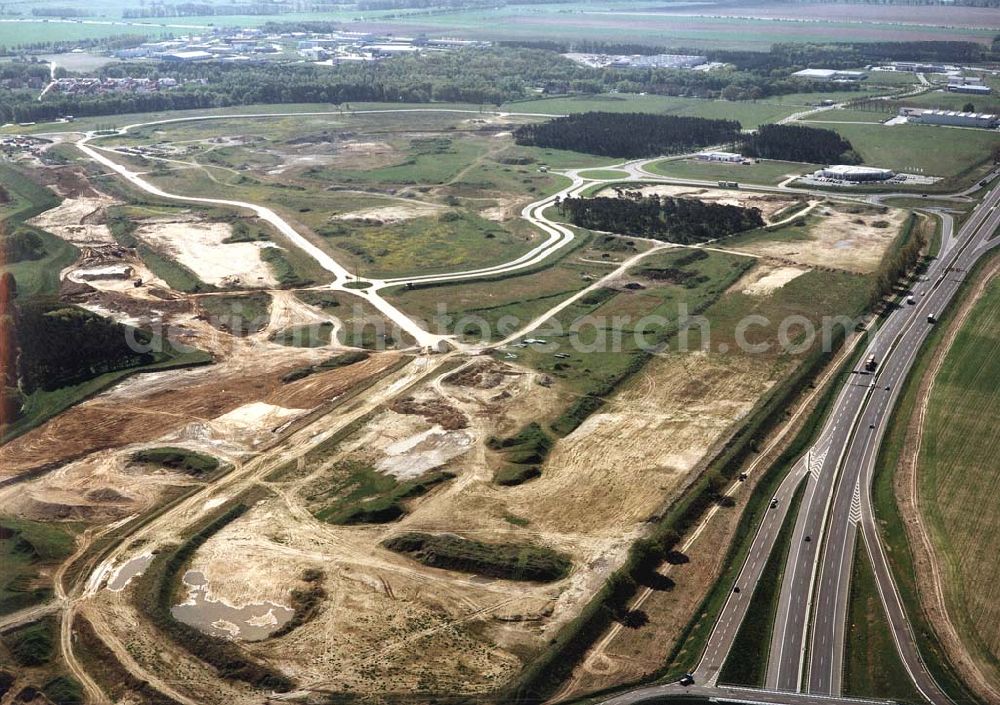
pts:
pixel 763 172
pixel 586 331
pixel 442 243
pixel 937 151
pixel 491 309
pixel 750 114
pixel 27 551
pixel 871 663
pixel 957 470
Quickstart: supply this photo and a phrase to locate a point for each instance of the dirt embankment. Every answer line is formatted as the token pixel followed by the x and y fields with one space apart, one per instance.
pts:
pixel 150 406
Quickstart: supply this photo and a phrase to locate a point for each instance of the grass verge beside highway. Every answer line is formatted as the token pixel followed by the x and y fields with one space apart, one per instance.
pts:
pixel 871 663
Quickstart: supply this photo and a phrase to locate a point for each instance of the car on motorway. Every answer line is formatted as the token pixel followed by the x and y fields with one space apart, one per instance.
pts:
pixel 774 502
pixel 687 679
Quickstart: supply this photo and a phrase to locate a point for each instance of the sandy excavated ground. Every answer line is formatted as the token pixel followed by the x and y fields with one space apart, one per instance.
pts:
pixel 837 238
pixel 769 204
pixel 102 487
pixel 78 220
pixel 340 154
pixel 199 247
pixel 183 405
pixel 392 625
pixel 766 278
pixel 393 214
pixel 614 471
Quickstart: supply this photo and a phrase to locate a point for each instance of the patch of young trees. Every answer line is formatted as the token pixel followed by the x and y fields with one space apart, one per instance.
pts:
pixel 626 135
pixel 797 143
pixel 20 246
pixel 680 220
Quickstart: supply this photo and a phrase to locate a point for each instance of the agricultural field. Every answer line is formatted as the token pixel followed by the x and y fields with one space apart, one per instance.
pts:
pixel 749 114
pixel 956 463
pixel 655 25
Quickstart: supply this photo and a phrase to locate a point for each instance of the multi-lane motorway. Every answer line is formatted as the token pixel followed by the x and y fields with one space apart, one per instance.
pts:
pixel 806 653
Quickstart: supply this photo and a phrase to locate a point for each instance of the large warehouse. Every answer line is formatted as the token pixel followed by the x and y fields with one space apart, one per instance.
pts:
pixel 830 75
pixel 973 88
pixel 955 118
pixel 848 172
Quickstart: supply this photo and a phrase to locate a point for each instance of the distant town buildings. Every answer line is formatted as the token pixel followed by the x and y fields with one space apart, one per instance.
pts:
pixel 914 67
pixel 100 86
pixel 253 45
pixel 972 88
pixel 639 61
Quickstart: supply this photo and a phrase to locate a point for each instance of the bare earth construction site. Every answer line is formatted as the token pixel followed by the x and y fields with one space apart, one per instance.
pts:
pixel 367 449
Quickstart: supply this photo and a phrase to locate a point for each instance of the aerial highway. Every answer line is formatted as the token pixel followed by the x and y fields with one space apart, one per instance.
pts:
pixel 838 470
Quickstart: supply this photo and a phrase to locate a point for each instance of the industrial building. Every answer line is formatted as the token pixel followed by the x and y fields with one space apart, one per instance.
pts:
pixel 953 118
pixel 720 157
pixel 186 56
pixel 848 172
pixel 830 75
pixel 973 88
pixel 918 68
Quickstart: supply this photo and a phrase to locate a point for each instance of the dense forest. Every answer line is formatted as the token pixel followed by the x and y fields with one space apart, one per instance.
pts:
pixel 479 76
pixel 64 345
pixel 797 143
pixel 45 346
pixel 680 220
pixel 626 135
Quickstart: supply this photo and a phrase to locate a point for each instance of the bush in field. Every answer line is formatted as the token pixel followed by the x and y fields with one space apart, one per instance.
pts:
pixel 498 560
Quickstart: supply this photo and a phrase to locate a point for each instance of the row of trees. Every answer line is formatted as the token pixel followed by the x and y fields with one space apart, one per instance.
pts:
pixel 627 135
pixel 680 220
pixel 900 261
pixel 798 143
pixel 207 9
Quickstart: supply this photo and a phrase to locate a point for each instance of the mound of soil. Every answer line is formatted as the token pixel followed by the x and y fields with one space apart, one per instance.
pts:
pixel 436 411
